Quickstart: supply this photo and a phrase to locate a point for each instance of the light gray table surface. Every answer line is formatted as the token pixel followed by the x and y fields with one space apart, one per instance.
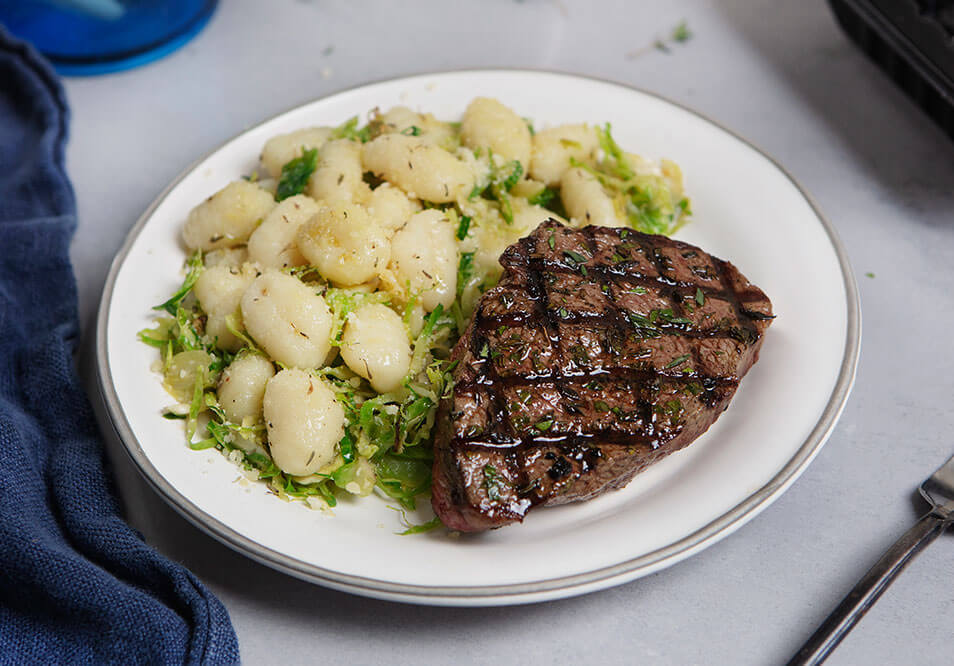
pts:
pixel 779 73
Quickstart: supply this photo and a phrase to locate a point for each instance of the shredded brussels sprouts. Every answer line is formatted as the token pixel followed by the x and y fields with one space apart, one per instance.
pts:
pixel 295 175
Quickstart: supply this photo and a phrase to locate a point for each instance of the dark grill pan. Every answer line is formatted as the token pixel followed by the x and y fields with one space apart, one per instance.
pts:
pixel 913 42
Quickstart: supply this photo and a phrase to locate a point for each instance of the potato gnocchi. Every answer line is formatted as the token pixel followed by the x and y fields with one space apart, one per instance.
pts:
pixel 310 338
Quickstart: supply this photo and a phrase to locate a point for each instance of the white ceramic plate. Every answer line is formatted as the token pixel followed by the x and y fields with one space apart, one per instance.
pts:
pixel 747 210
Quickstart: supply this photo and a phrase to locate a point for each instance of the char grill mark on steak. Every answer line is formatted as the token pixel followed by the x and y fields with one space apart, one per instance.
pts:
pixel 600 351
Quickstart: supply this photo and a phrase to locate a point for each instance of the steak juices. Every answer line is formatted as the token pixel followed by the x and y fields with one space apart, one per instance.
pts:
pixel 600 351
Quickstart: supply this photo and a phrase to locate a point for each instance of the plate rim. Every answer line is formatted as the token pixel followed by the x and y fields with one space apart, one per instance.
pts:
pixel 513 593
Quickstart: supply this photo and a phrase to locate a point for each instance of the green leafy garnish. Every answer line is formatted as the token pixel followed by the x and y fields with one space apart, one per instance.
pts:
pixel 575 257
pixel 465 270
pixel 413 130
pixel 349 130
pixel 232 324
pixel 295 174
pixel 403 478
pixel 430 525
pixel 158 337
pixel 681 32
pixel 648 209
pixel 506 207
pixel 346 446
pixel 463 226
pixel 198 403
pixel 693 388
pixel 542 198
pixel 700 297
pixel 679 35
pixel 194 266
pixel 619 166
pixel 516 171
pixel 465 274
pixel 502 180
pixel 543 425
pixel 671 408
pixel 679 360
pixel 494 482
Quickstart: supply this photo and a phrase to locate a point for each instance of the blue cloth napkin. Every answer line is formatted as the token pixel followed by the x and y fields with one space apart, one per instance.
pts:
pixel 77 585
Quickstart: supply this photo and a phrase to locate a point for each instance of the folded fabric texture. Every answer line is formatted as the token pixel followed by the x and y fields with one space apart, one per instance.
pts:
pixel 77 584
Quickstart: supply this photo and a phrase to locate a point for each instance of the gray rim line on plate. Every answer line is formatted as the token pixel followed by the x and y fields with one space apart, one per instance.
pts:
pixel 518 592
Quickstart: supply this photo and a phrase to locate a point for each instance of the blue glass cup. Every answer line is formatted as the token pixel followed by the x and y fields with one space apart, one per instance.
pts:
pixel 82 37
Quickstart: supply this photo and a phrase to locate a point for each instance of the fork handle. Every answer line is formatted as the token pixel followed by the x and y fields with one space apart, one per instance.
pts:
pixel 853 607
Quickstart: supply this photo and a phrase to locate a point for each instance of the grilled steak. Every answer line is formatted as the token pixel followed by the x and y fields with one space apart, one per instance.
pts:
pixel 599 352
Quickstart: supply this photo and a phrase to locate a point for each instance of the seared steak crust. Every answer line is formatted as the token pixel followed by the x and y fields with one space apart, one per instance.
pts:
pixel 600 351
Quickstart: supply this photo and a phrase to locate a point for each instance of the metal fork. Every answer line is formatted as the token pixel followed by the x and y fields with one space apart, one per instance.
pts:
pixel 938 489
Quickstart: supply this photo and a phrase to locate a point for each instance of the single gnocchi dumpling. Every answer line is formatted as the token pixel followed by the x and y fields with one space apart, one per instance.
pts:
pixel 553 148
pixel 281 149
pixel 418 167
pixel 527 217
pixel 489 124
pixel 585 200
pixel 440 133
pixel 219 291
pixel 273 244
pixel 288 319
pixel 424 256
pixel 242 387
pixel 390 207
pixel 375 345
pixel 228 217
pixel 424 126
pixel 345 244
pixel 339 176
pixel 399 119
pixel 304 422
pixel 219 288
pixel 241 391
